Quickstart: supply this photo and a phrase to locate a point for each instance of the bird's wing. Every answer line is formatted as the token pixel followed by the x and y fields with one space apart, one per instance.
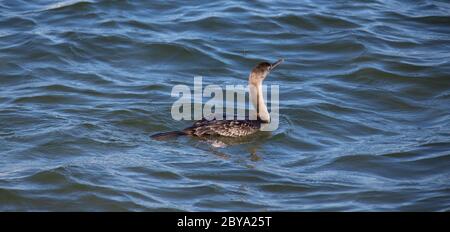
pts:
pixel 229 128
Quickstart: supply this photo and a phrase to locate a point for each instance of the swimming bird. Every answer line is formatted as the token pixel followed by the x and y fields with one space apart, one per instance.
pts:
pixel 234 128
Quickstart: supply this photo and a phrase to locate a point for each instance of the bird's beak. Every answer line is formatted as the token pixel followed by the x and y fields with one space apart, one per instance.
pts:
pixel 272 66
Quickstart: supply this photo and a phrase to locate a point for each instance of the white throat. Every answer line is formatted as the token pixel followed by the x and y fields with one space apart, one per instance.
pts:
pixel 257 99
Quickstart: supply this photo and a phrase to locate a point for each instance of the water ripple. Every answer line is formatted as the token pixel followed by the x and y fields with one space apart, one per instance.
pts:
pixel 363 119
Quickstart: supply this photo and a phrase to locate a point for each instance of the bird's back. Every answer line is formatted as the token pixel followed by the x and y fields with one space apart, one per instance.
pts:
pixel 228 128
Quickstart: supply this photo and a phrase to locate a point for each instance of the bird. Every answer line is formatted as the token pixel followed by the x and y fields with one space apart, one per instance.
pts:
pixel 223 127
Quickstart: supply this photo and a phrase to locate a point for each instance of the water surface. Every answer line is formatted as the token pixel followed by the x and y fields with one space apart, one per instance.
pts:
pixel 365 96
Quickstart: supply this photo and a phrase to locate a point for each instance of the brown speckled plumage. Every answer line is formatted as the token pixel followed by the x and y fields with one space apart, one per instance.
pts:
pixel 228 128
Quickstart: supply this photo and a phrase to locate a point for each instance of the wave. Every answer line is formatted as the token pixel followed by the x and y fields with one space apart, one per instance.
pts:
pixel 363 114
pixel 75 5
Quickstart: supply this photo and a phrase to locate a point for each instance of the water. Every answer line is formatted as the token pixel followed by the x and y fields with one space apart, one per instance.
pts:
pixel 365 105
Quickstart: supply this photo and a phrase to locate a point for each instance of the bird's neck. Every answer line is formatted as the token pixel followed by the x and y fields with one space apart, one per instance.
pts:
pixel 257 99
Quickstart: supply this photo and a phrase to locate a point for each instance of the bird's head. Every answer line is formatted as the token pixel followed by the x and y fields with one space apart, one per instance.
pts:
pixel 260 71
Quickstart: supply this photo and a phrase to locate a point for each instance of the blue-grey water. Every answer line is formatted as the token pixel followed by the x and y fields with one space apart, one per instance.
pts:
pixel 364 90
